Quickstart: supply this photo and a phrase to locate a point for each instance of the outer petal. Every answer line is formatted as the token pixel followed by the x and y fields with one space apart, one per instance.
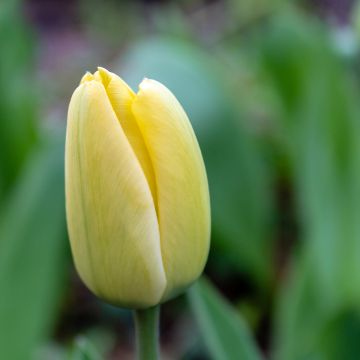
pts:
pixel 110 211
pixel 182 188
pixel 121 97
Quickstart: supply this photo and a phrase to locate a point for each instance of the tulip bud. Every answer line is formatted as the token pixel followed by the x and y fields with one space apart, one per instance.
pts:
pixel 137 199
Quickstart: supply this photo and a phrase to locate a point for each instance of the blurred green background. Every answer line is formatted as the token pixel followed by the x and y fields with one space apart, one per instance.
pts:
pixel 272 90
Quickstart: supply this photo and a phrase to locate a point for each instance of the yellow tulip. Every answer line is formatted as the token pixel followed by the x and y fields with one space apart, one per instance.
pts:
pixel 137 199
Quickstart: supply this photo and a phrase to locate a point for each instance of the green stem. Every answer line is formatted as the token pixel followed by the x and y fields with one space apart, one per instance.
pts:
pixel 147 333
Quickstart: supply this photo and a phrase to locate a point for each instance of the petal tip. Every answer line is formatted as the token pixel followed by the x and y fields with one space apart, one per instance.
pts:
pixel 88 76
pixel 150 84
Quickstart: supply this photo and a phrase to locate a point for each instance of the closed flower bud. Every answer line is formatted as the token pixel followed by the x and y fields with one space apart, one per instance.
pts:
pixel 137 198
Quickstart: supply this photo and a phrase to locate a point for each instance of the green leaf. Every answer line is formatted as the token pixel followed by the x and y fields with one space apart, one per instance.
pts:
pixel 224 331
pixel 18 103
pixel 321 126
pixel 32 250
pixel 84 350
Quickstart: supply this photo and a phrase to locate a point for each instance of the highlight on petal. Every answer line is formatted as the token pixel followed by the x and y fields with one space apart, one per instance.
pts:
pixel 111 217
pixel 182 188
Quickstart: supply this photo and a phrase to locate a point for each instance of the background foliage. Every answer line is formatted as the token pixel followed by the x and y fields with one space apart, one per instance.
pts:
pixel 272 90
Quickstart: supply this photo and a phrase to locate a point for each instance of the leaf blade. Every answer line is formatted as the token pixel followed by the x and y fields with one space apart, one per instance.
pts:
pixel 224 331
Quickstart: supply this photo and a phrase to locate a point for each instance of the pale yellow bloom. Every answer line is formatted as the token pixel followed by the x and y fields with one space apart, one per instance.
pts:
pixel 137 198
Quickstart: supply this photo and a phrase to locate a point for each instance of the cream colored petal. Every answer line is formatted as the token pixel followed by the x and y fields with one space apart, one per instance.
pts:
pixel 111 217
pixel 121 97
pixel 182 188
pixel 87 77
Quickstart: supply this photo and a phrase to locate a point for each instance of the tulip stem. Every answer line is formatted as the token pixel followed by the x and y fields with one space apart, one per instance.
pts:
pixel 147 333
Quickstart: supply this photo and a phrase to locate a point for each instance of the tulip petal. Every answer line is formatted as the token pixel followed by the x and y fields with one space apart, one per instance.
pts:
pixel 111 216
pixel 121 97
pixel 182 188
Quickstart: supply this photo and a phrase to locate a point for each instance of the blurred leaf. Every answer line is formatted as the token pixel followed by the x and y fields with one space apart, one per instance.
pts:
pixel 84 350
pixel 32 249
pixel 306 329
pixel 239 179
pixel 17 102
pixel 95 342
pixel 320 127
pixel 340 339
pixel 224 331
pixel 322 123
pixel 299 316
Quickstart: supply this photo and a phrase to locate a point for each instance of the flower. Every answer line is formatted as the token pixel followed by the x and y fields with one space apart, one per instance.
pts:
pixel 137 198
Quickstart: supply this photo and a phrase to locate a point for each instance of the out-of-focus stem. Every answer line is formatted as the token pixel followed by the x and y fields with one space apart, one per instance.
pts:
pixel 147 333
